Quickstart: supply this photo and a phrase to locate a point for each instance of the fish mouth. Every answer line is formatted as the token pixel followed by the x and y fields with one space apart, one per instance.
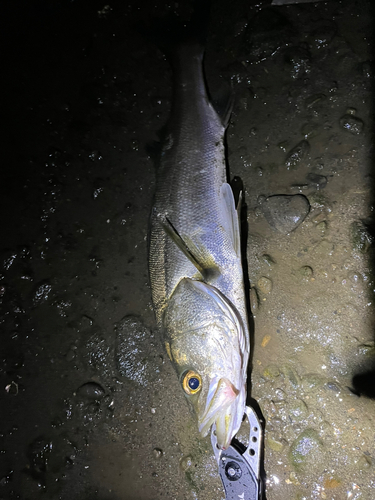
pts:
pixel 223 408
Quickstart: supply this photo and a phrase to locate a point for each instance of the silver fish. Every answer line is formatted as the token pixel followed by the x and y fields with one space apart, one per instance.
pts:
pixel 195 257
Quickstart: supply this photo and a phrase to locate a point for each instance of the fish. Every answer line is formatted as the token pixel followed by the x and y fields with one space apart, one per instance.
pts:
pixel 195 264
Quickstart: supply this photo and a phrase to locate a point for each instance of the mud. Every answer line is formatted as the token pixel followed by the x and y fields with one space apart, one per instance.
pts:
pixel 90 406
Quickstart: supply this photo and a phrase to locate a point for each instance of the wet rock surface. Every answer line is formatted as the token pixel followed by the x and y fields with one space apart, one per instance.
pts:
pixel 298 154
pixel 284 212
pixel 90 406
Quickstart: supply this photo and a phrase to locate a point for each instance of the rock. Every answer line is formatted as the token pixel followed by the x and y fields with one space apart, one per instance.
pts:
pixel 368 69
pixel 285 212
pixel 323 35
pixel 306 272
pixel 360 237
pixel 352 124
pixel 309 130
pixel 271 372
pixel 291 376
pixel 297 61
pixel 322 227
pixel 324 248
pixel 314 99
pixel 297 154
pixel 70 355
pixel 90 391
pixel 157 452
pixel 7 258
pixel 254 300
pixel 367 350
pixel 267 259
pixel 317 181
pixel 275 443
pixel 283 145
pixel 266 33
pixel 298 410
pixel 279 395
pixel 133 352
pixel 355 277
pixel 41 293
pixel 265 285
pixel 364 463
pixel 186 462
pixel 307 452
pixel 265 340
pixel 333 386
pixel 331 483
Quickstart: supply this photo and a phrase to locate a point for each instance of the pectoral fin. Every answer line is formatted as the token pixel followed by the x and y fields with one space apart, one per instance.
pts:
pixel 187 249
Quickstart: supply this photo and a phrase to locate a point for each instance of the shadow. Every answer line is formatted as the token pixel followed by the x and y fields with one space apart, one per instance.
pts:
pixel 364 383
pixel 363 379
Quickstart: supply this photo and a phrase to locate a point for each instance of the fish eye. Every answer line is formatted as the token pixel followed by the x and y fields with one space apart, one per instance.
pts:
pixel 191 382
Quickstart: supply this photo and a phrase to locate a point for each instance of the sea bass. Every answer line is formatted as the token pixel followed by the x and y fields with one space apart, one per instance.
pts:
pixel 195 256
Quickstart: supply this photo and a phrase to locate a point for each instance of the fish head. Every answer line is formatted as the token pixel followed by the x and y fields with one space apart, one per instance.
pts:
pixel 208 345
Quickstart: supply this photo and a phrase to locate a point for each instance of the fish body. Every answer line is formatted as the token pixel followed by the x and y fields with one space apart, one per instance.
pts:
pixel 195 258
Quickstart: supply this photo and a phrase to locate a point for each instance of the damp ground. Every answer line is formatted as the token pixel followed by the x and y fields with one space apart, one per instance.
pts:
pixel 90 405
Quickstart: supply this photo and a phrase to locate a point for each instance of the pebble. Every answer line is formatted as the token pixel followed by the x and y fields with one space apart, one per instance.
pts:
pixel 324 248
pixel 283 146
pixel 361 239
pixel 298 410
pixel 352 124
pixel 271 372
pixel 268 260
pixel 157 452
pixel 265 285
pixel 91 391
pixel 333 386
pixel 306 272
pixel 322 227
pixel 331 483
pixel 355 277
pixel 41 293
pixel 317 181
pixel 314 99
pixel 366 350
pixel 364 463
pixel 70 355
pixel 12 388
pixel 307 451
pixel 186 462
pixel 265 340
pixel 323 35
pixel 254 300
pixel 298 61
pixel 279 395
pixel 297 154
pixel 274 443
pixel 133 351
pixel 367 69
pixel 291 375
pixel 309 130
pixel 285 212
